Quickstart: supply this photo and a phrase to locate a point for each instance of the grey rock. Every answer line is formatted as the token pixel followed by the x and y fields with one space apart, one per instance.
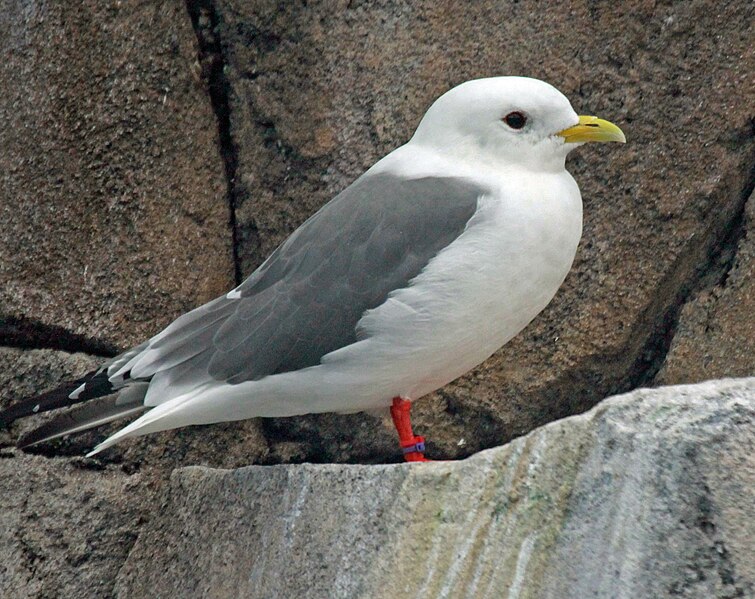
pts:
pixel 648 495
pixel 65 527
pixel 112 189
pixel 716 333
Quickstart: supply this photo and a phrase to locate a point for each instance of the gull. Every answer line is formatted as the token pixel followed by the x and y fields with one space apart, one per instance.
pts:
pixel 414 274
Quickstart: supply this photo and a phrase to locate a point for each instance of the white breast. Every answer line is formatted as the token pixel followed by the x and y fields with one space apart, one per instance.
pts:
pixel 470 300
pixel 487 286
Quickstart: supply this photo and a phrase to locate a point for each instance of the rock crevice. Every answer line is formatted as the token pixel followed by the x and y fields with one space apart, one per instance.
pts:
pixel 204 20
pixel 716 258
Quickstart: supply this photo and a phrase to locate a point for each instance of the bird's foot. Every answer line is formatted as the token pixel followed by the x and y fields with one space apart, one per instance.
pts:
pixel 412 446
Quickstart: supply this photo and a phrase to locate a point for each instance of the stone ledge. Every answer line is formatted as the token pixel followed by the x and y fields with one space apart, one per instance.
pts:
pixel 647 495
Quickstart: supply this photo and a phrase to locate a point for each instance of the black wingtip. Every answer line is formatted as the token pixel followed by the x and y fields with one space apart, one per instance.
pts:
pixel 97 385
pixel 50 400
pixel 81 419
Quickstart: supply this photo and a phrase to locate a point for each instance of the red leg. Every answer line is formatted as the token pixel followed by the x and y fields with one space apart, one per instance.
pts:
pixel 412 446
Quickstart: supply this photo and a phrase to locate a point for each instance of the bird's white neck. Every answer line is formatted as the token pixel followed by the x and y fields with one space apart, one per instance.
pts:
pixel 463 157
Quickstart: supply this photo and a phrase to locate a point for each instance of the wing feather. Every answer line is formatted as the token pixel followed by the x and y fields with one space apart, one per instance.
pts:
pixel 307 297
pixel 303 303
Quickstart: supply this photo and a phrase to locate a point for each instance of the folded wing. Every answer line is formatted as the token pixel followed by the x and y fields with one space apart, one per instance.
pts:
pixel 307 297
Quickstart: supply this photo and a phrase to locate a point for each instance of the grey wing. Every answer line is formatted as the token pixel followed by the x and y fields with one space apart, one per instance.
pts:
pixel 307 298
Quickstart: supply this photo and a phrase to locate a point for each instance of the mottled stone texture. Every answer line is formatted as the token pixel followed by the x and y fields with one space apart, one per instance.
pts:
pixel 716 332
pixel 644 496
pixel 65 528
pixel 112 191
pixel 320 90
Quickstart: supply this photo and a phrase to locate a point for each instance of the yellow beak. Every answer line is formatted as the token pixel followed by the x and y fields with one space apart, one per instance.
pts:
pixel 591 128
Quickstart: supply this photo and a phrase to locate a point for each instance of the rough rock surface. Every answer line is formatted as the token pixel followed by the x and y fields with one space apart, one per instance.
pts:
pixel 716 333
pixel 647 495
pixel 65 527
pixel 319 90
pixel 112 190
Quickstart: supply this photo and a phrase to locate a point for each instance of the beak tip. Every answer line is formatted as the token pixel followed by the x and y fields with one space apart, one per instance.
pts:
pixel 591 128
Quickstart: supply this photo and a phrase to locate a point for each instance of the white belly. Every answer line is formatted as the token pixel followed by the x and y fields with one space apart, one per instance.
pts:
pixel 468 302
pixel 471 299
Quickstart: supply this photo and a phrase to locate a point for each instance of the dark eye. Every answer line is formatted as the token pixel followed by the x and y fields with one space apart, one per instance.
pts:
pixel 515 120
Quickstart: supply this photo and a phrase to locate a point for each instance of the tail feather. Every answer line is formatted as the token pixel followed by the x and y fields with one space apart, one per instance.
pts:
pixel 91 415
pixel 157 419
pixel 92 385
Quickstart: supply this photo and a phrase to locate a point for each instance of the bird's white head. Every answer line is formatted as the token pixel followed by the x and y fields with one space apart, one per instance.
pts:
pixel 509 121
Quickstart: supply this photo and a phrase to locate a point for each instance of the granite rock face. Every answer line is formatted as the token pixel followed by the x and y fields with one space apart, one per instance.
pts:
pixel 114 212
pixel 647 495
pixel 716 333
pixel 319 91
pixel 112 190
pixel 66 528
